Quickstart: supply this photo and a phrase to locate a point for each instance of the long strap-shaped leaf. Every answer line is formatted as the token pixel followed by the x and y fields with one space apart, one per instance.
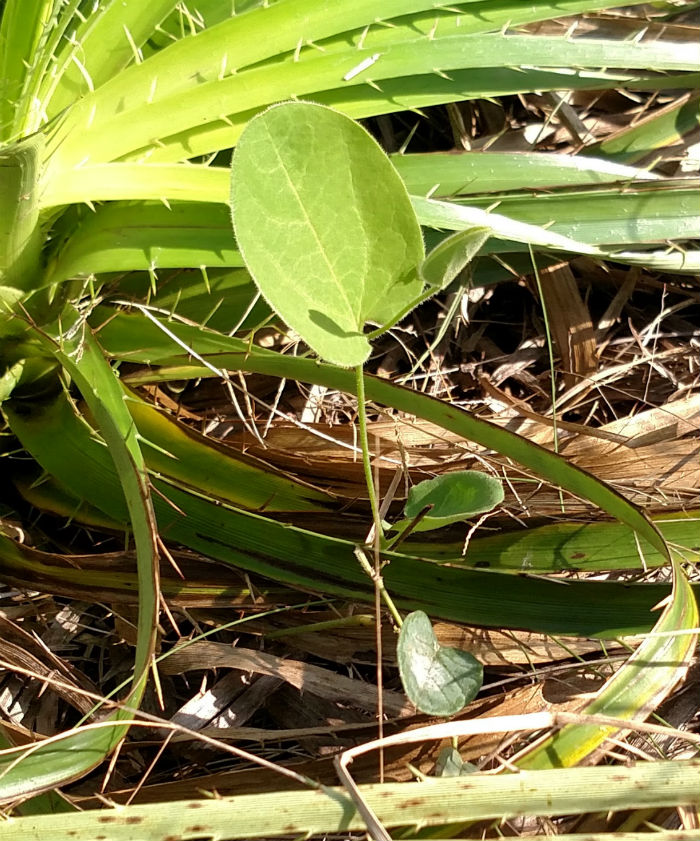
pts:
pixel 21 30
pixel 430 804
pixel 107 578
pixel 174 450
pixel 556 547
pixel 318 563
pixel 199 84
pixel 157 348
pixel 40 768
pixel 635 691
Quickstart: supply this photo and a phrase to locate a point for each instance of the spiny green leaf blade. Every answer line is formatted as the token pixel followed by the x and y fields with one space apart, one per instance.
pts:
pixel 635 691
pixel 324 811
pixel 45 766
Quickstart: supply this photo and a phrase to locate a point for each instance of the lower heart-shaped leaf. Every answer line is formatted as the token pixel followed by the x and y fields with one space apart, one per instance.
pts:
pixel 438 680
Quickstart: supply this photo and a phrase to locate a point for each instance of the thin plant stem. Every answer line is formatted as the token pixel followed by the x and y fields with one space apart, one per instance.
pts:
pixel 379 582
pixel 364 445
pixel 376 573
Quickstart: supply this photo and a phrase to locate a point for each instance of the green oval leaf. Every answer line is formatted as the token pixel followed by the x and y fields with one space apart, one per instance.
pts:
pixel 325 226
pixel 438 680
pixel 452 497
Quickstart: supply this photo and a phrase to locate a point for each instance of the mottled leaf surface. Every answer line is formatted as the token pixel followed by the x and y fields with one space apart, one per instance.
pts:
pixel 437 679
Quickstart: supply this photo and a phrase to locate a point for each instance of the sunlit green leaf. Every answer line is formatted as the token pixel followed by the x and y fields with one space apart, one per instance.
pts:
pixel 325 226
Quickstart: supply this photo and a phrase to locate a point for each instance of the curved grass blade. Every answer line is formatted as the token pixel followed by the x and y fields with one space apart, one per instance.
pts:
pixel 192 98
pixel 137 181
pixel 414 93
pixel 445 175
pixel 26 772
pixel 193 460
pixel 41 491
pixel 20 235
pixel 573 547
pixel 112 578
pixel 658 131
pixel 324 565
pixel 635 691
pixel 118 126
pixel 432 803
pixel 226 353
pixel 317 563
pixel 455 217
pixel 608 216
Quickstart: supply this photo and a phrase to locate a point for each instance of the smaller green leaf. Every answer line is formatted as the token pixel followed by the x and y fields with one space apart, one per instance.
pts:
pixel 9 379
pixel 438 680
pixel 451 497
pixel 451 256
pixel 450 764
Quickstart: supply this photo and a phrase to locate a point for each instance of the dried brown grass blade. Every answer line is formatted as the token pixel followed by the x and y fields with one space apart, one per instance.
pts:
pixel 304 676
pixel 570 323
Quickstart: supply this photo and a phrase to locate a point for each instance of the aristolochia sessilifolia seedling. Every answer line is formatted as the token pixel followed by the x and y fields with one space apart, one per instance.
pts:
pixel 328 232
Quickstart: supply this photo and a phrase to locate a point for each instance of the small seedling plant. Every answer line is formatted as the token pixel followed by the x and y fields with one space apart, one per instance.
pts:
pixel 327 230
